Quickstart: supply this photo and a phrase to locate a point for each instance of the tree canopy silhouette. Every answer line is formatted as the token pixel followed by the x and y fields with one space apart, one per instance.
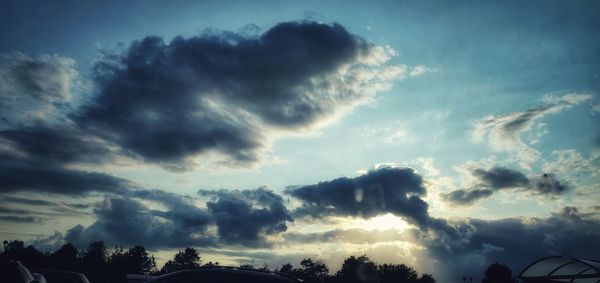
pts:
pixel 136 260
pixel 65 258
pixel 358 269
pixel 187 259
pixel 498 273
pixel 101 267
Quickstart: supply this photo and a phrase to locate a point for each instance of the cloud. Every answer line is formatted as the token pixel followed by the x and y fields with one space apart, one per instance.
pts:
pixel 504 132
pixel 17 175
pixel 388 133
pixel 489 181
pixel 247 217
pixel 45 144
pixel 168 103
pixel 382 190
pixel 127 221
pixel 48 209
pixel 352 236
pixel 513 241
pixel 31 87
pixel 22 219
pixel 159 219
pixel 572 165
pixel 225 92
pixel 41 158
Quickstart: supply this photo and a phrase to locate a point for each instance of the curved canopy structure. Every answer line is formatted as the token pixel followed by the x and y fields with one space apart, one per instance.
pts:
pixel 562 269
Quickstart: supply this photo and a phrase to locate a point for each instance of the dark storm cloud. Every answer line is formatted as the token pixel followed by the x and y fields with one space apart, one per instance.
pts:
pixel 513 241
pixel 164 102
pixel 16 175
pixel 127 221
pixel 36 158
pixel 489 181
pixel 180 209
pixel 380 191
pixel 240 217
pixel 44 144
pixel 169 102
pixel 246 217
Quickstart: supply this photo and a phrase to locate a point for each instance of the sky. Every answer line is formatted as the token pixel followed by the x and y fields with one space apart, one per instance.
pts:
pixel 444 135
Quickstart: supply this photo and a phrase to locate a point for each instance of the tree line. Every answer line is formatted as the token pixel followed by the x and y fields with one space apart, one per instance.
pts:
pixel 100 266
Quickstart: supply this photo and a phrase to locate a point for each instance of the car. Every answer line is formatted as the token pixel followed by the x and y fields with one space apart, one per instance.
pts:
pixel 15 272
pixel 61 276
pixel 225 275
pixel 39 277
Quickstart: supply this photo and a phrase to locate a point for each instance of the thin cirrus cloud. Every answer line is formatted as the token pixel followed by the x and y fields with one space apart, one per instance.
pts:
pixel 504 133
pixel 489 181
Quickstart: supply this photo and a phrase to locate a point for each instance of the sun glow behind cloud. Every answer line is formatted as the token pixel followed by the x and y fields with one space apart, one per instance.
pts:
pixel 381 222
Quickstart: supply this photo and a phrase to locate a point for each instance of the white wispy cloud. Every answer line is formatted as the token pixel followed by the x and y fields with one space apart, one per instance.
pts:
pixel 504 133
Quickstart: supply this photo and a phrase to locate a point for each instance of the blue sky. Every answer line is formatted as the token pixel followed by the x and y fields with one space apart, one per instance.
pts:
pixel 494 105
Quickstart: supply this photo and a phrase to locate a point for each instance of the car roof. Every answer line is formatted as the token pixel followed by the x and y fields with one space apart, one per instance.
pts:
pixel 42 271
pixel 234 270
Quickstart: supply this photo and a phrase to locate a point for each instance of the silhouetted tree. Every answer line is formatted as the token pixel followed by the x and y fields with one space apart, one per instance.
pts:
pixel 498 273
pixel 286 268
pixel 247 266
pixel 188 259
pixel 28 255
pixel 65 258
pixel 94 262
pixel 426 278
pixel 358 269
pixel 134 261
pixel 311 271
pixel 389 273
pixel 265 267
pixel 99 267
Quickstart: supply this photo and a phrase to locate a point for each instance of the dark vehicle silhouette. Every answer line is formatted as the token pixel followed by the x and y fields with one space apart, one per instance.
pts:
pixel 14 272
pixel 224 275
pixel 59 276
pixel 39 277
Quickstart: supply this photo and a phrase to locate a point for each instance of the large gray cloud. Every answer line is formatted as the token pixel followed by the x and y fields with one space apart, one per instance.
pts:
pixel 167 103
pixel 18 175
pixel 382 190
pixel 164 102
pixel 240 217
pixel 246 217
pixel 127 221
pixel 489 181
pixel 40 158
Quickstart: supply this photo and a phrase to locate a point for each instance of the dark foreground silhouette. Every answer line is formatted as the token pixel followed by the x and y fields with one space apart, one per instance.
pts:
pixel 100 266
